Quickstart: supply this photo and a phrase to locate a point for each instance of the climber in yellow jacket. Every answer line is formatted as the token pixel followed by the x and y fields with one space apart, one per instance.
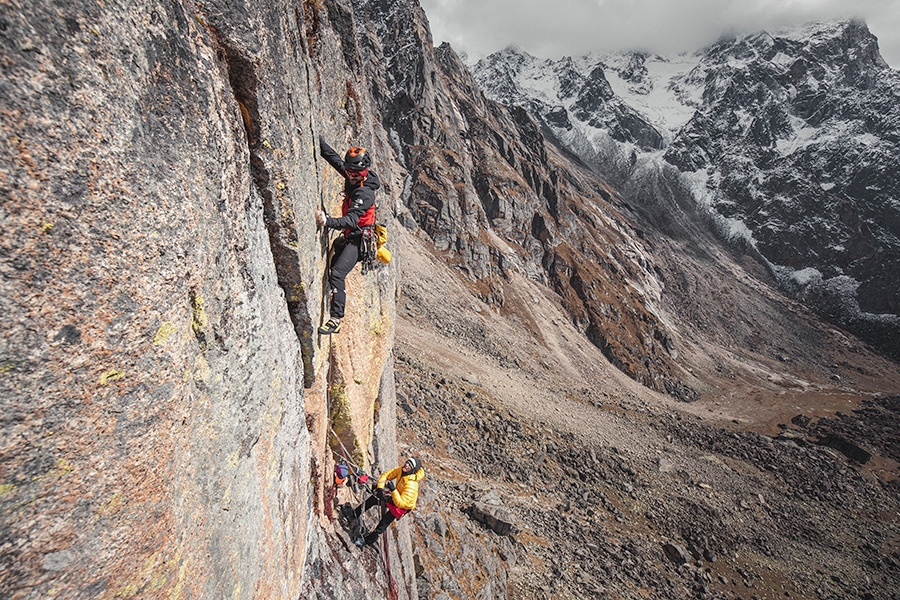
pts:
pixel 400 488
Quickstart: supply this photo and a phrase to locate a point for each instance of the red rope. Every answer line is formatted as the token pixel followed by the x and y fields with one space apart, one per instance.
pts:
pixel 386 559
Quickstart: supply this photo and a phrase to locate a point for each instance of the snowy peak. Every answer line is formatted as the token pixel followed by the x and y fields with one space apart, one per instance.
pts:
pixel 788 139
pixel 631 69
pixel 631 97
pixel 665 92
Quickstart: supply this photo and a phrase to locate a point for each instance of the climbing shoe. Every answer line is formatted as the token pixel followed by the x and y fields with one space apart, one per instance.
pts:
pixel 359 541
pixel 330 327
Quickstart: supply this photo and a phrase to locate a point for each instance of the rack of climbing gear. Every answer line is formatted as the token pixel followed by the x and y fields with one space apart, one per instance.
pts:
pixel 351 476
pixel 368 249
pixel 372 249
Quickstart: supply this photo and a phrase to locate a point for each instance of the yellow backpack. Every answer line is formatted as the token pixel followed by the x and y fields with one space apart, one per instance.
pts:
pixel 382 254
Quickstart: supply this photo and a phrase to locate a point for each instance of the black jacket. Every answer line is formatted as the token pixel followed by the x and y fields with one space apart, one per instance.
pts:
pixel 362 197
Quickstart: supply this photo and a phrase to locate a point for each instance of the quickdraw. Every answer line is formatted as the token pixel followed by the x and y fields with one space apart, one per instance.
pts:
pixel 368 249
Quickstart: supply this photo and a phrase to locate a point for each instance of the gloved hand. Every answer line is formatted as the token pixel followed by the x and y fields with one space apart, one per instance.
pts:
pixel 389 486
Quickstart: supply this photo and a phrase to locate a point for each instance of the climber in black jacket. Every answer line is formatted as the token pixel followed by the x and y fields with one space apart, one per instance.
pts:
pixel 358 214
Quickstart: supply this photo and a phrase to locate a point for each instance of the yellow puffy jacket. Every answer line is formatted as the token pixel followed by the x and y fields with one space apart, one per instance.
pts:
pixel 406 491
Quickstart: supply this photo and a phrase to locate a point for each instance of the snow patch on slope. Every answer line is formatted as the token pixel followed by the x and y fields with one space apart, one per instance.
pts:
pixel 673 98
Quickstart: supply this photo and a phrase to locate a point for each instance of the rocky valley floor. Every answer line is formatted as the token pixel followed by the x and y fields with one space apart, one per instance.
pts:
pixel 614 491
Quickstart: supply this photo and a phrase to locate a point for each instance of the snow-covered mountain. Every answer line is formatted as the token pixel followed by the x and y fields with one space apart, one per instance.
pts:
pixel 786 143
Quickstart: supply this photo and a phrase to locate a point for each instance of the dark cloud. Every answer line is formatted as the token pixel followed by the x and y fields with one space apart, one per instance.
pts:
pixel 576 27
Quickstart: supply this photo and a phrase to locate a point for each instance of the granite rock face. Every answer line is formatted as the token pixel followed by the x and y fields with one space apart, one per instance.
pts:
pixel 162 392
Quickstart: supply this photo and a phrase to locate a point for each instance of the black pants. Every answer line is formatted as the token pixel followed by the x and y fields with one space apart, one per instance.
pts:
pixel 345 255
pixel 386 519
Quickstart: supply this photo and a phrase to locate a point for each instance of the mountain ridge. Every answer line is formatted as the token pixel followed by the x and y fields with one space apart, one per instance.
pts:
pixel 839 263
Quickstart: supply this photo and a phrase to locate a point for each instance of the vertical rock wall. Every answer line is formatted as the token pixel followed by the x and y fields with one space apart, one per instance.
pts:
pixel 162 392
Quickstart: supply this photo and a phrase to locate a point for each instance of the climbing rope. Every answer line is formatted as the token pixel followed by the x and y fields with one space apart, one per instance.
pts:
pixel 359 474
pixel 363 479
pixel 345 454
pixel 386 557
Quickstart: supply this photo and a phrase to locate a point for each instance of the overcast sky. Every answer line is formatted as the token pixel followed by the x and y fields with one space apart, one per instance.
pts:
pixel 554 28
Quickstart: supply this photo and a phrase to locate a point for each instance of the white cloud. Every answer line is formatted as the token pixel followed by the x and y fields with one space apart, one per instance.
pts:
pixel 576 27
